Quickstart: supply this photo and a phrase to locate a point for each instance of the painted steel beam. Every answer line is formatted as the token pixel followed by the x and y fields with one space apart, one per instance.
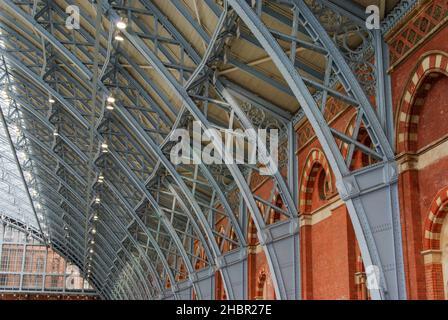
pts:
pixel 107 246
pixel 284 287
pixel 40 118
pixel 35 234
pixel 366 192
pixel 73 207
pixel 69 108
pixel 27 19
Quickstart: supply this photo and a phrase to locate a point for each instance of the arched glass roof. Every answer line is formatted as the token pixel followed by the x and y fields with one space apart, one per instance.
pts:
pixel 14 201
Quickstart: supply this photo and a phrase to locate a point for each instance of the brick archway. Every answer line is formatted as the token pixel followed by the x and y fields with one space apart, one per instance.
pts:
pixel 315 157
pixel 429 68
pixel 433 223
pixel 431 245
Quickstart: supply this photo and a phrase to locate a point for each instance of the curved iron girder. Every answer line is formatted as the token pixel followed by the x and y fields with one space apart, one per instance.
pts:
pixel 59 98
pixel 75 209
pixel 139 249
pixel 126 272
pixel 141 224
pixel 54 42
pixel 221 88
pixel 207 174
pixel 114 189
pixel 67 202
pixel 129 236
pixel 154 272
pixel 147 140
pixel 67 106
pixel 366 192
pixel 224 202
pixel 25 228
pixel 136 278
pixel 213 182
pixel 71 144
pixel 101 264
pixel 201 216
pixel 79 239
pixel 163 218
pixel 151 145
pixel 284 287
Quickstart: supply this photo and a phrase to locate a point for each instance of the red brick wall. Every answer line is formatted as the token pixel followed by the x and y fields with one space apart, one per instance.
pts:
pixel 333 264
pixel 418 186
pixel 331 267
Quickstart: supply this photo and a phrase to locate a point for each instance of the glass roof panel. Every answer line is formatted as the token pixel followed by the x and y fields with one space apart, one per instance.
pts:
pixel 14 201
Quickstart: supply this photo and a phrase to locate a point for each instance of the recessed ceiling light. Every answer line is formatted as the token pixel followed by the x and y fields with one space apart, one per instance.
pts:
pixel 121 25
pixel 110 99
pixel 110 107
pixel 119 37
pixel 51 100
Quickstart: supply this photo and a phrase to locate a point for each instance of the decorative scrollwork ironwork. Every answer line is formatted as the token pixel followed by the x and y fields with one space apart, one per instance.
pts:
pixel 355 42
